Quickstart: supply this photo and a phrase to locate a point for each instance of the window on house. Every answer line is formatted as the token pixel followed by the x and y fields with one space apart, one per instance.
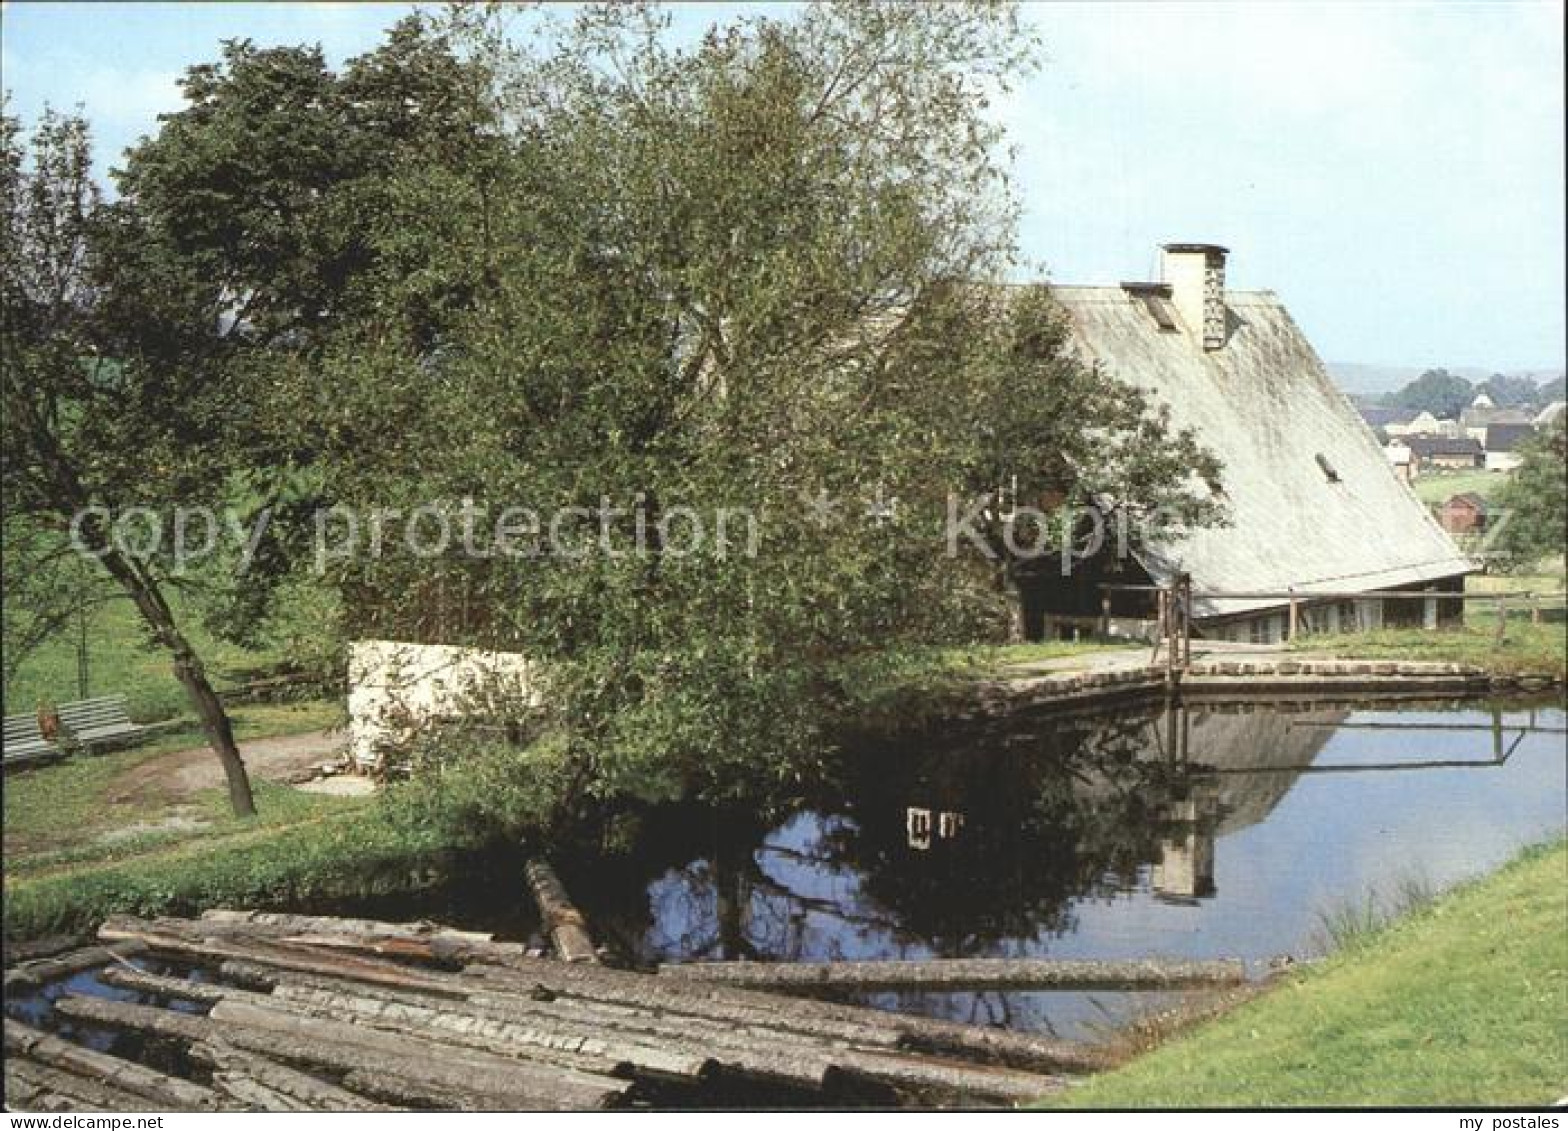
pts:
pixel 1156 299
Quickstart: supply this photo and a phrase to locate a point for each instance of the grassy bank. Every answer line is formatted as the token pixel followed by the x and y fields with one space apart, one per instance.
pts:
pixel 350 850
pixel 1527 649
pixel 1440 486
pixel 1460 1003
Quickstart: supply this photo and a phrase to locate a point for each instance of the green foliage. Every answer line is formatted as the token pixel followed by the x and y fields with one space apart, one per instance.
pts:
pixel 1511 391
pixel 1443 394
pixel 1536 501
pixel 1457 1004
pixel 737 275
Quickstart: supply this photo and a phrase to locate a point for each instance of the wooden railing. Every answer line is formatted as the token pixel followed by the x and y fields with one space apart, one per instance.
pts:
pixel 1173 615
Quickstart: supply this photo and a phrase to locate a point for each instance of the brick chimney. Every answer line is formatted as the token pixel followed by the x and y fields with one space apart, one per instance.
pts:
pixel 1196 274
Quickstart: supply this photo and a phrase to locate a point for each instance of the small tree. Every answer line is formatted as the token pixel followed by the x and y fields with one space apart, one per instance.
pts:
pixel 1536 501
pixel 91 426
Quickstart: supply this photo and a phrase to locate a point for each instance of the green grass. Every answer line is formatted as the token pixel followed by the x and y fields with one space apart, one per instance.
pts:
pixel 1462 1002
pixel 1436 487
pixel 70 804
pixel 121 661
pixel 1527 649
pixel 349 848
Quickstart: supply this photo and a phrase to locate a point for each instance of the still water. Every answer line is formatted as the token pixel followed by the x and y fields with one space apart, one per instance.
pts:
pixel 1199 831
pixel 1218 830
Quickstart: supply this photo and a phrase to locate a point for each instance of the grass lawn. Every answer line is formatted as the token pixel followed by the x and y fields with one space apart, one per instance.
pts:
pixel 121 661
pixel 1527 649
pixel 69 806
pixel 1464 1002
pixel 1435 487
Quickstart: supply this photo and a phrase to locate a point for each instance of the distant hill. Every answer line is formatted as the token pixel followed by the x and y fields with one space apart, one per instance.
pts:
pixel 1354 377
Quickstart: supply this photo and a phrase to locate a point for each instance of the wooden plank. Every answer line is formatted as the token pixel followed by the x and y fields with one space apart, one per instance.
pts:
pixel 964 974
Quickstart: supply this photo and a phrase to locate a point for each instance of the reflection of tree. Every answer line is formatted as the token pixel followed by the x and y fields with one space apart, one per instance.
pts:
pixel 1054 811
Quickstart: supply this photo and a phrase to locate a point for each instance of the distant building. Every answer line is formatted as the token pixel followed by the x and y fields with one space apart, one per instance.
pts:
pixel 1476 420
pixel 1400 459
pixel 1421 424
pixel 1446 453
pixel 1502 445
pixel 1463 514
pixel 1312 499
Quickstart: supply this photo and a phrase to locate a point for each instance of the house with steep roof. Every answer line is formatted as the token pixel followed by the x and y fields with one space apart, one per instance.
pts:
pixel 1445 453
pixel 1503 443
pixel 1476 419
pixel 1313 503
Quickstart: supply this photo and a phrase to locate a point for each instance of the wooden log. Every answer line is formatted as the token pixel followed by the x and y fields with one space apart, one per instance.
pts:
pixel 56 967
pixel 648 1044
pixel 819 1019
pixel 424 1071
pixel 938 1079
pixel 277 923
pixel 171 937
pixel 183 989
pixel 507 972
pixel 312 1092
pixel 568 929
pixel 964 974
pixel 166 1091
pixel 504 1079
pixel 563 1041
pixel 252 1094
pixel 80 1093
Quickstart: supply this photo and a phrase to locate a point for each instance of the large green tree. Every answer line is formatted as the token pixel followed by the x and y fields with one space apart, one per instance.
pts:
pixel 147 337
pixel 753 273
pixel 1445 395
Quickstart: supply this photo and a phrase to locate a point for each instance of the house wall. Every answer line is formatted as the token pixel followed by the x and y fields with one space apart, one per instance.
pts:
pixel 1503 461
pixel 394 687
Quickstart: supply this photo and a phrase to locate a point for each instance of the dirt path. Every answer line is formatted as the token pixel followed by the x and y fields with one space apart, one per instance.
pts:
pixel 181 773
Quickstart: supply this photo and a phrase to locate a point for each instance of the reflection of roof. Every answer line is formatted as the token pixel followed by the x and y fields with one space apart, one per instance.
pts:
pixel 1268 740
pixel 1312 498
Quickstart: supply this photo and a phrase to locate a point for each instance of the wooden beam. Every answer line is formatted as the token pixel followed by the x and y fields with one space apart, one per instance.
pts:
pixel 964 974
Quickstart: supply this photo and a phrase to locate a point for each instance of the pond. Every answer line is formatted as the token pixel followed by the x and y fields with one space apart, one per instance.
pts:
pixel 1204 830
pixel 1201 830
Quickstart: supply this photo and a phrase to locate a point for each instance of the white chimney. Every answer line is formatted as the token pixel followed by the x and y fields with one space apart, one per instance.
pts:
pixel 1196 274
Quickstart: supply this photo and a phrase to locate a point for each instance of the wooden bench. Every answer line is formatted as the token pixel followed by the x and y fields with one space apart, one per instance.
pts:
pixel 96 722
pixel 87 723
pixel 25 744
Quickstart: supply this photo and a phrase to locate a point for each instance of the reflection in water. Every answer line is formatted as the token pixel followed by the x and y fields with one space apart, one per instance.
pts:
pixel 1191 831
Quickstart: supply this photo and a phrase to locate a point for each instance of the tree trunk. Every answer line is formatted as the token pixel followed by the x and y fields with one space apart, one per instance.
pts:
pixel 144 593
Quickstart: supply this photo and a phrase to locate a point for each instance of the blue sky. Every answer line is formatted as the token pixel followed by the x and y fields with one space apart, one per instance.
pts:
pixel 1393 170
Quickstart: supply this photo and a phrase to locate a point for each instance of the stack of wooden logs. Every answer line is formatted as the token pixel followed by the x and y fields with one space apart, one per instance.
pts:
pixel 294 1012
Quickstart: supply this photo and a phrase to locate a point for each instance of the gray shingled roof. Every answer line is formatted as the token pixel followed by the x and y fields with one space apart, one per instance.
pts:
pixel 1267 407
pixel 1507 437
